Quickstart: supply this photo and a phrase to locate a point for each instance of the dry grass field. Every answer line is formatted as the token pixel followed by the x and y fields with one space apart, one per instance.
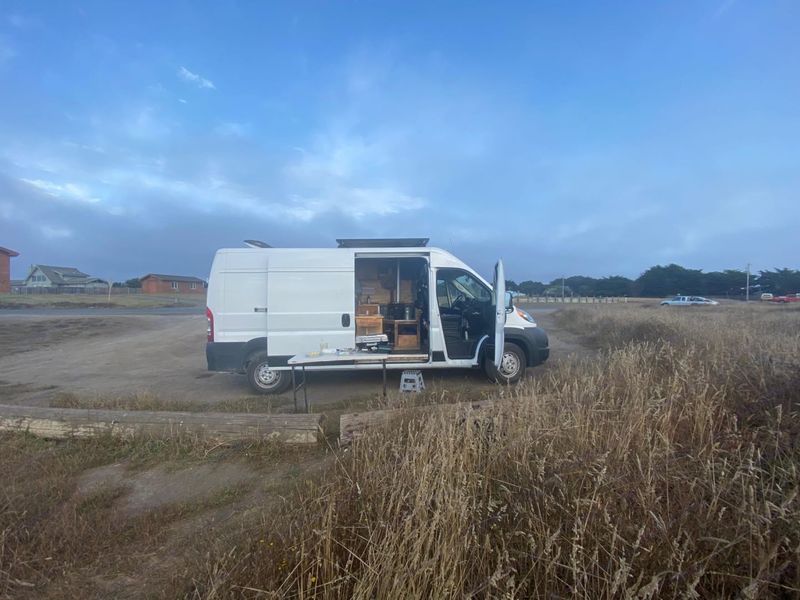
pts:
pixel 664 463
pixel 667 467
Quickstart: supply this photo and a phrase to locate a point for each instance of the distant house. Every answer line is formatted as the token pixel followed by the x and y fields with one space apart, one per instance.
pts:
pixel 46 276
pixel 155 283
pixel 5 269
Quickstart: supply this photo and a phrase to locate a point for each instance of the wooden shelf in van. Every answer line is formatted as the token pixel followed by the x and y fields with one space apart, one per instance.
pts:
pixel 369 325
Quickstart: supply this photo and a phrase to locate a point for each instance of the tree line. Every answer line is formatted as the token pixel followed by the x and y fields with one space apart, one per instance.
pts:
pixel 667 280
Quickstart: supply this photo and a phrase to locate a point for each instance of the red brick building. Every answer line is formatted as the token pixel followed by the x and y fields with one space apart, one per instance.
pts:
pixel 5 269
pixel 154 283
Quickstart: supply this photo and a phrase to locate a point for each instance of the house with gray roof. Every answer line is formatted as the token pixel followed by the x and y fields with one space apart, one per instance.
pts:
pixel 47 276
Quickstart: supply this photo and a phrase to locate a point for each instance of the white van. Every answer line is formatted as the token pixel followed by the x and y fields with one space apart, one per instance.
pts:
pixel 422 305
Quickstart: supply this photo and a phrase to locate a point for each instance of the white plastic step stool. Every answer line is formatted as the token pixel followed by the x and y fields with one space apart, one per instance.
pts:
pixel 411 381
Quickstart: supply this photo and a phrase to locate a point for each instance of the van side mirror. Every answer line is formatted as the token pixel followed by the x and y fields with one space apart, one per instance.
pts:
pixel 509 301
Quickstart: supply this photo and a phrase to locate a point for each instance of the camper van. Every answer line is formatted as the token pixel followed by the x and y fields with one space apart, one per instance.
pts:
pixel 419 306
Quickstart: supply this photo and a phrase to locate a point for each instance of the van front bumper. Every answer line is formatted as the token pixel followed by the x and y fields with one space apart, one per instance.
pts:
pixel 539 345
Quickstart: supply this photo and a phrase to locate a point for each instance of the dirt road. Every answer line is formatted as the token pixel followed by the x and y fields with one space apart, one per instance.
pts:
pixel 163 356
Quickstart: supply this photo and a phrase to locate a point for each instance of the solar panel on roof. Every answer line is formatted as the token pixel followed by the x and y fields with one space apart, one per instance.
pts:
pixel 382 242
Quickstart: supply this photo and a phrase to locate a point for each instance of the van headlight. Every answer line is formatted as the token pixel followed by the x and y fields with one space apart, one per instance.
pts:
pixel 525 315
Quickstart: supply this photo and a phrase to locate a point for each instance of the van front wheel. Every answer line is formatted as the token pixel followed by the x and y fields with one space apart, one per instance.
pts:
pixel 512 366
pixel 263 379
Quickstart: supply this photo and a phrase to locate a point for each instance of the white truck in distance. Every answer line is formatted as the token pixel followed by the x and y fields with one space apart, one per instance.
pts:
pixel 421 305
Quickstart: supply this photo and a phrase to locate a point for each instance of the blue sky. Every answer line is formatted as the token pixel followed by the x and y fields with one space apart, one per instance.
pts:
pixel 567 137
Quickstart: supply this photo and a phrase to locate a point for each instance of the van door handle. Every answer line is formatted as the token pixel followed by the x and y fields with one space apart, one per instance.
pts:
pixel 260 309
pixel 346 320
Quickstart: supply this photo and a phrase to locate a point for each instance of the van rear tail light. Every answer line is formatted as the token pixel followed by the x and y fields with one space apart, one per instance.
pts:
pixel 209 325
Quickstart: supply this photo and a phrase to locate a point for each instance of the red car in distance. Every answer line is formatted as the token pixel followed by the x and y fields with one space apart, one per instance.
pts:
pixel 786 298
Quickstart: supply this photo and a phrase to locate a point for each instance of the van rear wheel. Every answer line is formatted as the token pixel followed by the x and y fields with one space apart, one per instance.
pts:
pixel 512 366
pixel 265 380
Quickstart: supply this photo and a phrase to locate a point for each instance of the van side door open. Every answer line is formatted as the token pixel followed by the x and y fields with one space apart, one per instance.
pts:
pixel 466 311
pixel 499 296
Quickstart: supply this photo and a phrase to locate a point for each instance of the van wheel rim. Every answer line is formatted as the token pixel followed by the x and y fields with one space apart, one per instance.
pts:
pixel 266 377
pixel 509 366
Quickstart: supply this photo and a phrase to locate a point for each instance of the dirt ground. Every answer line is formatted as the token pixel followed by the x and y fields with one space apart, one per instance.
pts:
pixel 23 301
pixel 159 361
pixel 161 357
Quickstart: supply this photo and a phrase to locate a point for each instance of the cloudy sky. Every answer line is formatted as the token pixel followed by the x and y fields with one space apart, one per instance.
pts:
pixel 586 138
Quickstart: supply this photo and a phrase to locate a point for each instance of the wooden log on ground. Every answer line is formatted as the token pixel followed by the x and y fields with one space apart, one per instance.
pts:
pixel 218 427
pixel 354 425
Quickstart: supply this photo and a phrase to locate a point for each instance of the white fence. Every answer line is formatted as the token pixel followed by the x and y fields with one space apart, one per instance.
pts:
pixel 569 299
pixel 22 290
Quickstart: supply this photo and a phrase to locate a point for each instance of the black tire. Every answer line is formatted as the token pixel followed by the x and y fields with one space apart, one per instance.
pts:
pixel 264 380
pixel 514 361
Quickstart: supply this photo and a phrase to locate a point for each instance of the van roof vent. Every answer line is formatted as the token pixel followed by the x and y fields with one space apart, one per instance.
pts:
pixel 382 242
pixel 257 244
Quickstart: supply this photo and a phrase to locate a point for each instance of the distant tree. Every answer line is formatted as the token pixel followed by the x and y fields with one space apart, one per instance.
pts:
pixel 511 286
pixel 667 280
pixel 615 285
pixel 131 283
pixel 556 290
pixel 779 281
pixel 579 284
pixel 730 282
pixel 531 288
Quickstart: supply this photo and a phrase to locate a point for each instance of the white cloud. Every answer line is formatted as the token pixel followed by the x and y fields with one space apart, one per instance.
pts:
pixel 86 147
pixel 196 79
pixel 359 203
pixel 7 211
pixel 54 232
pixel 723 8
pixel 348 175
pixel 146 124
pixel 232 129
pixel 21 21
pixel 7 51
pixel 573 229
pixel 65 191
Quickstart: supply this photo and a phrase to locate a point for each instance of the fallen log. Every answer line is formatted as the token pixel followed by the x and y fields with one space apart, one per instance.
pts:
pixel 354 425
pixel 61 423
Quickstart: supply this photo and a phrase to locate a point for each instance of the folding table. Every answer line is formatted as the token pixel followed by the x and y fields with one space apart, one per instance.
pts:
pixel 316 359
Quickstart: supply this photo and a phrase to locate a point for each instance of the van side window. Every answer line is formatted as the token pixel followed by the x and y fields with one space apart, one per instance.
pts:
pixel 453 285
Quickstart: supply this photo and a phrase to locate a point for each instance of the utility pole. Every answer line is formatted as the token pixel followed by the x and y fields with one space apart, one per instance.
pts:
pixel 747 292
pixel 562 288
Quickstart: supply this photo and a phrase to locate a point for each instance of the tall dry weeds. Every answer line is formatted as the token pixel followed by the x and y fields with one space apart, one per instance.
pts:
pixel 667 467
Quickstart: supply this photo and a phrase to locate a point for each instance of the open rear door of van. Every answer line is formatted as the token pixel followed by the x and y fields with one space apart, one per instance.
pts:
pixel 499 287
